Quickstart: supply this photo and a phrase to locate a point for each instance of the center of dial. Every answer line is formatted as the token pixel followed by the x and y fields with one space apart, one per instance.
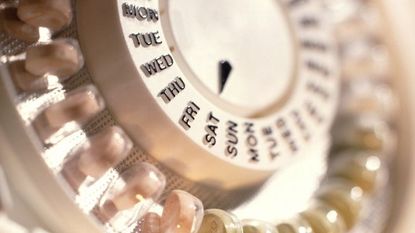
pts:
pixel 240 55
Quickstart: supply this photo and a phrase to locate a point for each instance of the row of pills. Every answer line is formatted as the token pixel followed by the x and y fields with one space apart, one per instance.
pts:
pixel 133 191
pixel 22 19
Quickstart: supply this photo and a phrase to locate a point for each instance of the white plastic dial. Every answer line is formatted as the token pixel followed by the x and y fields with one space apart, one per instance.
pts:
pixel 154 94
pixel 261 54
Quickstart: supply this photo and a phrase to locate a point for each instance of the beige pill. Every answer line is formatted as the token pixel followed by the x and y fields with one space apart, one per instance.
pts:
pixel 212 224
pixel 297 225
pixel 138 184
pixel 365 133
pixel 220 221
pixel 16 28
pixel 53 14
pixel 79 106
pixel 182 213
pixel 364 57
pixel 358 25
pixel 324 218
pixel 24 80
pixel 150 223
pixel 73 176
pixel 61 58
pixel 360 168
pixel 346 197
pixel 256 226
pixel 367 96
pixel 106 149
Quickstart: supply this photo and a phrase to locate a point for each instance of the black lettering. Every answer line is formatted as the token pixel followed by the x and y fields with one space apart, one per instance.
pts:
pixel 315 45
pixel 300 123
pixel 157 65
pixel 153 15
pixel 309 22
pixel 136 39
pixel 189 115
pixel 150 68
pixel 156 38
pixel 249 127
pixel 272 146
pixel 267 131
pixel 312 111
pixel 317 67
pixel 140 13
pixel 172 90
pixel 161 63
pixel 286 134
pixel 209 140
pixel 164 96
pixel 185 122
pixel 210 137
pixel 272 143
pixel 294 3
pixel 232 139
pixel 232 132
pixel 231 151
pixel 212 129
pixel 318 90
pixel 232 127
pixel 251 140
pixel 253 154
pixel 146 39
pixel 128 10
pixel 212 118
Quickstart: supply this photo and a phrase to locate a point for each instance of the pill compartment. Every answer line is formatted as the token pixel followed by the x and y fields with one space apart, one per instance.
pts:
pixel 220 221
pixel 60 57
pixel 46 65
pixel 129 197
pixel 95 157
pixel 53 14
pixel 182 213
pixel 16 27
pixel 149 223
pixel 27 82
pixel 66 116
pixel 344 196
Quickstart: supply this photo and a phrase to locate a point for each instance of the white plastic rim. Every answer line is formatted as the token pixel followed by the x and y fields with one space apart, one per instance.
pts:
pixel 38 196
pixel 399 16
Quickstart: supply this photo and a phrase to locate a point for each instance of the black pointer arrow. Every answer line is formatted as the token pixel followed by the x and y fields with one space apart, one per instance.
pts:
pixel 225 69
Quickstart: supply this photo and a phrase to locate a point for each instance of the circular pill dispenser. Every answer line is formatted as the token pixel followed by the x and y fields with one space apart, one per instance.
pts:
pixel 243 140
pixel 238 125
